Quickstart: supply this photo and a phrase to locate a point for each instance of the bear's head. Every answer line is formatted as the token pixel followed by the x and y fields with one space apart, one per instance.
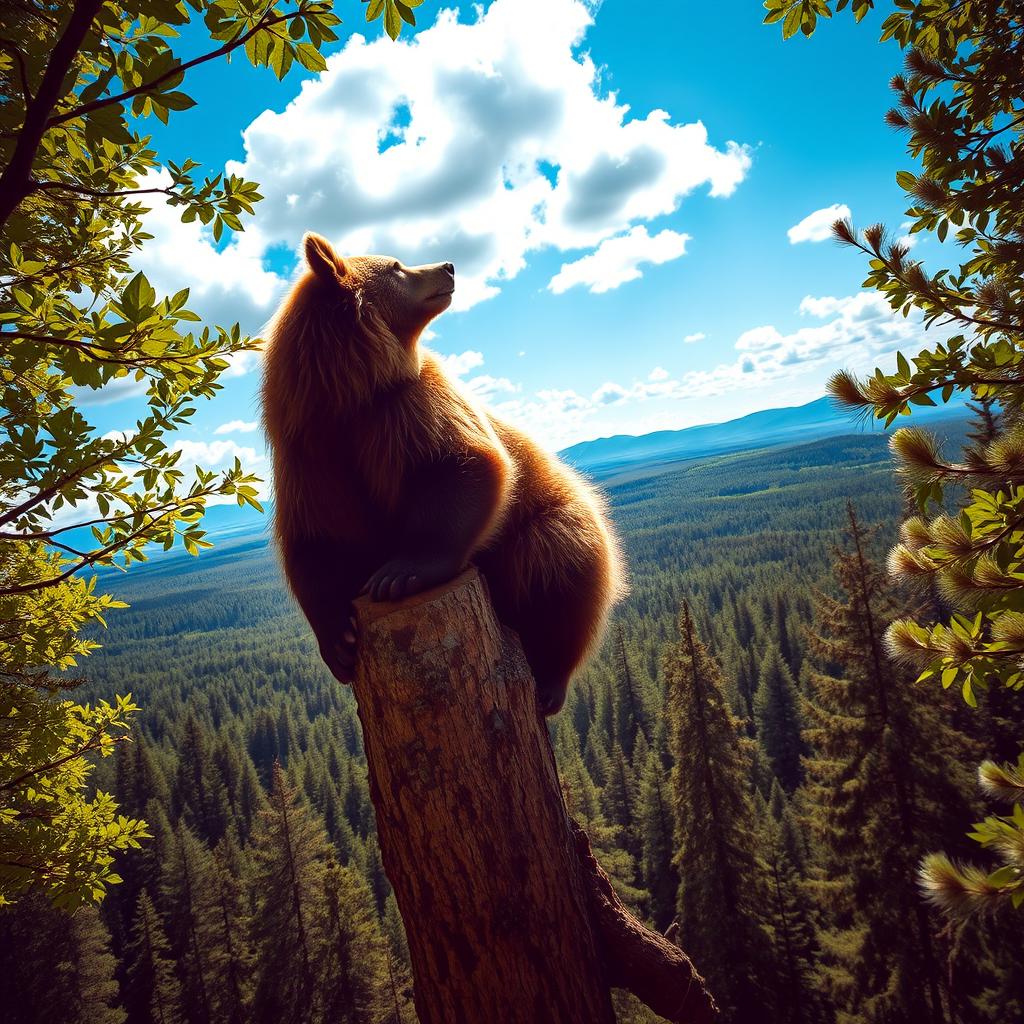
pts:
pixel 349 329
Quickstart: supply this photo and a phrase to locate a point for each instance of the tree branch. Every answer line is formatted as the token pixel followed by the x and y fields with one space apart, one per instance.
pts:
pixel 65 186
pixel 19 58
pixel 14 182
pixel 180 69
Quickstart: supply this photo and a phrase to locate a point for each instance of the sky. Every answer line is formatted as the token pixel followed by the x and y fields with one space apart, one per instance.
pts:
pixel 637 207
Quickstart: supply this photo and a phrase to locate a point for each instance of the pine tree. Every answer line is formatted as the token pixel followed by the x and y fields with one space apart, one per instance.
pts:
pixel 151 992
pixel 226 935
pixel 880 793
pixel 985 424
pixel 55 967
pixel 353 958
pixel 722 883
pixel 618 798
pixel 199 788
pixel 291 853
pixel 656 831
pixel 186 899
pixel 790 914
pixel 787 649
pixel 628 713
pixel 777 714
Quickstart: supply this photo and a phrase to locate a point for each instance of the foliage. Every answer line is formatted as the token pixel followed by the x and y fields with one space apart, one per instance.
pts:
pixel 722 882
pixel 77 325
pixel 51 833
pixel 959 101
pixel 777 714
pixel 883 781
pixel 78 983
pixel 394 12
pixel 152 992
pixel 790 913
pixel 802 15
pixel 962 890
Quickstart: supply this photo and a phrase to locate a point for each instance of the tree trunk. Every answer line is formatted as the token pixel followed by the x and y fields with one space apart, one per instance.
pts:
pixel 508 917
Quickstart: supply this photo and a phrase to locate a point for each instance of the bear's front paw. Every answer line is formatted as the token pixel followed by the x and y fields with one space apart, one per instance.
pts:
pixel 402 577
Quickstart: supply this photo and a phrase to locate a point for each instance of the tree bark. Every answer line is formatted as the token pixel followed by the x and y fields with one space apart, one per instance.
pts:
pixel 509 918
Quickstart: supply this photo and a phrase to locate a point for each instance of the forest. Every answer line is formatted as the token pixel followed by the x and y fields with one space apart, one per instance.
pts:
pixel 261 892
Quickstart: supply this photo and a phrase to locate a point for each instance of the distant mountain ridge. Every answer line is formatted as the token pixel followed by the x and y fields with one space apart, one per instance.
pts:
pixel 811 422
pixel 608 456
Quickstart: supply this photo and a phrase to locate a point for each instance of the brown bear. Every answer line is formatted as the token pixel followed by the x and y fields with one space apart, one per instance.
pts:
pixel 389 480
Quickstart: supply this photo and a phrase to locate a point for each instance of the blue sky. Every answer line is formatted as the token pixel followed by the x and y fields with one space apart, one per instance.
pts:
pixel 617 272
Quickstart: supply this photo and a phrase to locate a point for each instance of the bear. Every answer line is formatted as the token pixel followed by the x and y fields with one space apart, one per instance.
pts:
pixel 389 479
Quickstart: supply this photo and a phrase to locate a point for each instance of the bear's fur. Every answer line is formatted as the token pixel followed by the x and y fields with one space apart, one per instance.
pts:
pixel 389 480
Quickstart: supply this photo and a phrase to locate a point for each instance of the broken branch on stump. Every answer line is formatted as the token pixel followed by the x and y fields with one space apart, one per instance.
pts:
pixel 509 918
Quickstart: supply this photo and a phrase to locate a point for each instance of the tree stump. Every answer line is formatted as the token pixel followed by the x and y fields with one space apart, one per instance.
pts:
pixel 509 919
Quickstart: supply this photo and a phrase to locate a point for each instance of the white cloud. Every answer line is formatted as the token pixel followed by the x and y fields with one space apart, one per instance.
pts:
pixel 213 454
pixel 692 339
pixel 225 285
pixel 486 387
pixel 616 260
pixel 817 226
pixel 907 240
pixel 478 142
pixel 238 427
pixel 460 365
pixel 857 331
pixel 483 386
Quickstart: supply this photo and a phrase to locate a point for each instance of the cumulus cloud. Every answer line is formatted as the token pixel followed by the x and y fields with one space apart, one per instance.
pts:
pixel 459 365
pixel 213 454
pixel 238 427
pixel 484 386
pixel 858 331
pixel 692 339
pixel 617 260
pixel 817 226
pixel 476 141
pixel 226 284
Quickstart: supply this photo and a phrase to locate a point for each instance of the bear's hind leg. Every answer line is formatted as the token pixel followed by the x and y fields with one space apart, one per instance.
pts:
pixel 558 626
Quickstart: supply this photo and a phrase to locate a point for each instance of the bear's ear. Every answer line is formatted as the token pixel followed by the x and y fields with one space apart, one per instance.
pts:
pixel 322 259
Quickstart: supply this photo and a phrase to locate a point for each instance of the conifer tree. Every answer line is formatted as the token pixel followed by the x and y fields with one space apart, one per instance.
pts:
pixel 787 649
pixel 291 853
pixel 226 936
pixel 722 882
pixel 353 958
pixel 55 966
pixel 618 798
pixel 790 914
pixel 656 831
pixel 394 929
pixel 151 992
pixel 629 716
pixel 879 793
pixel 777 714
pixel 186 898
pixel 959 103
pixel 200 791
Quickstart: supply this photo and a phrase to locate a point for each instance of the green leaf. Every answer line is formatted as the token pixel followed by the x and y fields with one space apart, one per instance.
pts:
pixel 392 20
